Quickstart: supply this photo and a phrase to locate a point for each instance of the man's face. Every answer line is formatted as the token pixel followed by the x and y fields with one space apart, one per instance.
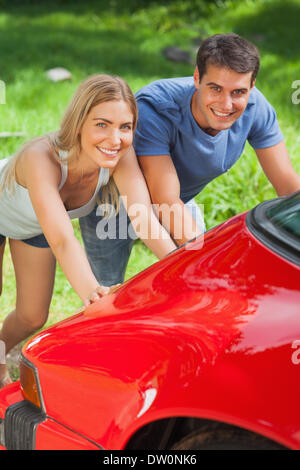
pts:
pixel 221 97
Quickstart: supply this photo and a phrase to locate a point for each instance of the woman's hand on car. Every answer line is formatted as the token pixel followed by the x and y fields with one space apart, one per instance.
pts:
pixel 99 292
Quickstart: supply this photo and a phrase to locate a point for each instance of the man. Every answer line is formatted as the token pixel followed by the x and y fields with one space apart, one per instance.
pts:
pixel 191 130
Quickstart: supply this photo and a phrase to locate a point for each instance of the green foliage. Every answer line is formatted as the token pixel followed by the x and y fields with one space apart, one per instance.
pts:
pixel 126 38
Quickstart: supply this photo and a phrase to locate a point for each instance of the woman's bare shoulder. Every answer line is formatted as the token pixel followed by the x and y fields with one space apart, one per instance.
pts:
pixel 38 155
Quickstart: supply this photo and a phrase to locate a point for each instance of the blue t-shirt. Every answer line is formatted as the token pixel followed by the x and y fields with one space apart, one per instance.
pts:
pixel 166 126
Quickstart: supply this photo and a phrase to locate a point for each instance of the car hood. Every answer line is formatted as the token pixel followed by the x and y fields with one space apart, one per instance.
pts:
pixel 169 326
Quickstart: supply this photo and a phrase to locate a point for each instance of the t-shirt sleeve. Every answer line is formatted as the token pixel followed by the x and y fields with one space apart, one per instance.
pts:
pixel 153 131
pixel 265 131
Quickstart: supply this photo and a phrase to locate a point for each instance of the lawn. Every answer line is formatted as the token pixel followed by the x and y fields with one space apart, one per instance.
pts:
pixel 127 39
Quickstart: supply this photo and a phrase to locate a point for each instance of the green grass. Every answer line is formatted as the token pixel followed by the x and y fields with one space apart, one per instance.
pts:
pixel 126 38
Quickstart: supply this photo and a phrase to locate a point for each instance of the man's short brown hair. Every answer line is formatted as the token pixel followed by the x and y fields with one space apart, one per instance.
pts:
pixel 231 51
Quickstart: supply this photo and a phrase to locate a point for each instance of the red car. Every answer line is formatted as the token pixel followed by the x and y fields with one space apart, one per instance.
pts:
pixel 199 351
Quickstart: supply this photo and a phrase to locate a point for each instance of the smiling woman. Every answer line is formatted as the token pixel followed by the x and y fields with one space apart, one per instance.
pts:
pixel 57 177
pixel 111 137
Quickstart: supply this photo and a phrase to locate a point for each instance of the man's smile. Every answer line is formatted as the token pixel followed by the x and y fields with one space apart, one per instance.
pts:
pixel 221 114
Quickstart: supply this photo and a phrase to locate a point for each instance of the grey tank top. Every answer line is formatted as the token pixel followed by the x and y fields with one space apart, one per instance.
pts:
pixel 17 216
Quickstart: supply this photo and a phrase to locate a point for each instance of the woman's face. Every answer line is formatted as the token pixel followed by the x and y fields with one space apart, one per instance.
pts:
pixel 107 133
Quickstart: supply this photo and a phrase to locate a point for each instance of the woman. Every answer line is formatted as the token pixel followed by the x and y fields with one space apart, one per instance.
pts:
pixel 55 178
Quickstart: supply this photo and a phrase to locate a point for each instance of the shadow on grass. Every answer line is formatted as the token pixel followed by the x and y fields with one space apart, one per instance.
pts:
pixel 93 45
pixel 38 7
pixel 102 49
pixel 111 52
pixel 274 28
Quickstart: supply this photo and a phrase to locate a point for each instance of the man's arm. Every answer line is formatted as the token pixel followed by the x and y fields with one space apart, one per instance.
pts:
pixel 164 189
pixel 131 184
pixel 278 168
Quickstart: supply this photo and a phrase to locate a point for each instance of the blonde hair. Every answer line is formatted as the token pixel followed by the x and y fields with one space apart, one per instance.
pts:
pixel 94 90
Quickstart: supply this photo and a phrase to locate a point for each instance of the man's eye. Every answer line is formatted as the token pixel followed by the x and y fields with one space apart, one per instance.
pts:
pixel 215 88
pixel 238 92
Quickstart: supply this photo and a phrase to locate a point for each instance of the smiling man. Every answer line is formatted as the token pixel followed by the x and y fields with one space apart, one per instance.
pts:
pixel 190 131
pixel 221 98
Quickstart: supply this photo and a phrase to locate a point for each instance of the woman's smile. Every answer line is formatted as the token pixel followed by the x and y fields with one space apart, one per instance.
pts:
pixel 110 153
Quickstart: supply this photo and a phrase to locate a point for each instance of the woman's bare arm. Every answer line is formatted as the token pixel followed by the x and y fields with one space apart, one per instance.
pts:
pixel 42 179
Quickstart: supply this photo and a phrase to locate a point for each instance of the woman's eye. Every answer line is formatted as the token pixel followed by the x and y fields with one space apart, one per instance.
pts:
pixel 101 124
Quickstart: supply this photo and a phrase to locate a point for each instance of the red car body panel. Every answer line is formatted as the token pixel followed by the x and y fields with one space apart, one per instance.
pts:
pixel 204 333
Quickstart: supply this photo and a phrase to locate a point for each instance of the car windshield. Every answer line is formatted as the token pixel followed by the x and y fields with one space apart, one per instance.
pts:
pixel 276 223
pixel 286 215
